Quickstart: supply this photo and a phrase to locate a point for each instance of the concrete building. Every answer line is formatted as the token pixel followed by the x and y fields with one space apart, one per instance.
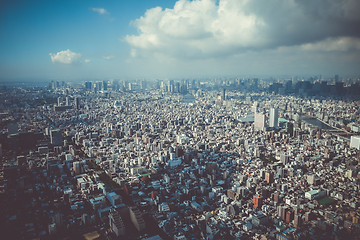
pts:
pixel 259 123
pixel 137 219
pixel 116 223
pixel 273 120
pixel 56 137
pixel 355 142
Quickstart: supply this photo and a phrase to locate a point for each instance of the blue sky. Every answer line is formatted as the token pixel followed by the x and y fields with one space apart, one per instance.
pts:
pixel 138 39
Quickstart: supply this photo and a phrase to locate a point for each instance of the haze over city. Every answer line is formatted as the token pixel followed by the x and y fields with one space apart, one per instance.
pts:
pixel 69 40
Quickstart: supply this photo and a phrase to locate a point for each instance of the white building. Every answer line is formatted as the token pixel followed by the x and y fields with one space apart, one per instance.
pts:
pixel 355 142
pixel 274 115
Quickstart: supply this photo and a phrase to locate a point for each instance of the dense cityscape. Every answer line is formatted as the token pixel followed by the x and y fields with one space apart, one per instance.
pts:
pixel 209 158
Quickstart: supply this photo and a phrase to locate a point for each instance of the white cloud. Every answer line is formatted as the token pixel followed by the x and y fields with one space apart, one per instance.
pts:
pixel 100 10
pixel 87 60
pixel 65 57
pixel 334 44
pixel 204 28
pixel 108 57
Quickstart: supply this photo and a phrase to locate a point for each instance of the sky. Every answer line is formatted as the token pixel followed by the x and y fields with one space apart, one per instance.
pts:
pixel 178 39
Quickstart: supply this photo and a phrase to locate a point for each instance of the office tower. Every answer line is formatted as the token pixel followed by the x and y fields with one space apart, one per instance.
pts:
pixel 143 84
pixel 130 86
pixel 223 96
pixel 59 100
pixel 171 86
pixel 125 85
pixel 257 201
pixel 105 85
pixel 256 82
pixel 77 168
pixel 289 216
pixel 254 108
pixel 269 177
pixel 297 221
pixel 137 219
pixel 336 78
pixel 259 123
pixel 248 99
pixel 284 159
pixel 88 85
pixel 116 223
pixel 56 137
pixel 274 115
pixel 67 101
pixel 77 103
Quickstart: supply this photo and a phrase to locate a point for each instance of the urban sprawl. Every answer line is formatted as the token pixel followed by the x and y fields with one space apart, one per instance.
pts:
pixel 224 158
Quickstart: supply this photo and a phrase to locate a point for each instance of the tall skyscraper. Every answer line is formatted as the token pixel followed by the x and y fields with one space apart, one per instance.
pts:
pixel 77 103
pixel 254 107
pixel 259 123
pixel 223 96
pixel 88 85
pixel 105 85
pixel 274 115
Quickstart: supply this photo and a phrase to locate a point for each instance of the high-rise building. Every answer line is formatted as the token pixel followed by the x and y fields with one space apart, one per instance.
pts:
pixel 105 85
pixel 116 223
pixel 143 84
pixel 137 218
pixel 269 177
pixel 223 96
pixel 336 78
pixel 274 115
pixel 297 220
pixel 284 159
pixel 257 201
pixel 88 85
pixel 77 103
pixel 56 137
pixel 259 123
pixel 77 167
pixel 248 99
pixel 254 108
pixel 67 101
pixel 99 86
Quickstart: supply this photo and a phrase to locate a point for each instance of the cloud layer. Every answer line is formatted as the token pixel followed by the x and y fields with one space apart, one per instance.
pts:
pixel 100 10
pixel 204 29
pixel 108 57
pixel 65 57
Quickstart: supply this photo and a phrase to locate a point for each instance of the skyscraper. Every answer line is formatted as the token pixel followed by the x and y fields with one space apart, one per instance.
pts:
pixel 77 103
pixel 88 85
pixel 223 96
pixel 274 115
pixel 56 137
pixel 259 123
pixel 254 107
pixel 105 85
